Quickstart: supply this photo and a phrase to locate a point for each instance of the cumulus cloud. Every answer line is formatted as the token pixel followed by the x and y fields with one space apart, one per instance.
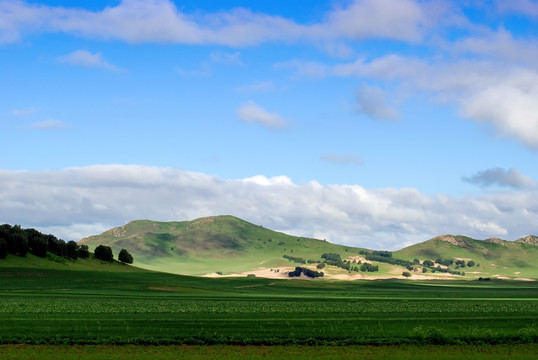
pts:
pixel 255 114
pixel 139 21
pixel 500 177
pixel 371 101
pixel 49 124
pixel 76 202
pixel 86 59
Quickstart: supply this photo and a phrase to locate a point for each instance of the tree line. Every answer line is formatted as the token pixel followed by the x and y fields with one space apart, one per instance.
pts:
pixel 17 241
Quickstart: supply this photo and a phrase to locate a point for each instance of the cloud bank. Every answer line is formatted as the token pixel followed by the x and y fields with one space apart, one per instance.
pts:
pixel 76 202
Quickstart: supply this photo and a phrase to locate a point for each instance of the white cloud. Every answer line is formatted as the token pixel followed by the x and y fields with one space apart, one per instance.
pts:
pixel 86 59
pixel 77 202
pixel 400 19
pixel 254 113
pixel 500 177
pixel 371 101
pixel 49 124
pixel 138 21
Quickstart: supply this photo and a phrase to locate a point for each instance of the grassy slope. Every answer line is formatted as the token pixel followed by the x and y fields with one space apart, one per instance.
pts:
pixel 53 262
pixel 222 243
pixel 230 245
pixel 505 258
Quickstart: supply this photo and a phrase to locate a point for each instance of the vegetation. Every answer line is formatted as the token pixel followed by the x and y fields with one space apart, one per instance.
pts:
pixel 115 304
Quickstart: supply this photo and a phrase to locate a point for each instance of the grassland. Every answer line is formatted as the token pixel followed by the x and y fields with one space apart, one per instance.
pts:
pixel 57 308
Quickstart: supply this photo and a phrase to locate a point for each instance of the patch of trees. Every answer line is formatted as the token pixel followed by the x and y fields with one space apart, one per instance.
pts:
pixel 367 267
pixel 445 262
pixel 387 258
pixel 484 279
pixel 295 259
pixel 18 241
pixel 308 272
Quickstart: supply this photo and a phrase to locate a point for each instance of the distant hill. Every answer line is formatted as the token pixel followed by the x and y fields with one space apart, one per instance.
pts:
pixel 226 245
pixel 495 257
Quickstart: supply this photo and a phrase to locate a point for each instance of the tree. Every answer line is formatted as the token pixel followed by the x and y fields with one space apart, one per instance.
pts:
pixel 406 274
pixel 83 252
pixel 104 253
pixel 71 250
pixel 3 248
pixel 37 243
pixel 125 257
pixel 19 241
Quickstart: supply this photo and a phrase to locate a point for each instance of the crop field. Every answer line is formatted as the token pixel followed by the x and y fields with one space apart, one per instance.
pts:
pixel 59 307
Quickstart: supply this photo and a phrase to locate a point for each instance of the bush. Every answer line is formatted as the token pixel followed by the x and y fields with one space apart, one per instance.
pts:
pixel 406 274
pixel 104 253
pixel 125 257
pixel 83 252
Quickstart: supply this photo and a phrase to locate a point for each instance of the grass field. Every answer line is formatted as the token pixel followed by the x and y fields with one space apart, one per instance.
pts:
pixel 54 306
pixel 443 352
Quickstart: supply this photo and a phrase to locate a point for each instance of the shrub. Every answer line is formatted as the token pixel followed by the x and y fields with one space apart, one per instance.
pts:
pixel 406 274
pixel 104 253
pixel 125 257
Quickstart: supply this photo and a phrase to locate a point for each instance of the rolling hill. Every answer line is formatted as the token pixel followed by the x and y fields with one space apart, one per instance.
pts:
pixel 226 245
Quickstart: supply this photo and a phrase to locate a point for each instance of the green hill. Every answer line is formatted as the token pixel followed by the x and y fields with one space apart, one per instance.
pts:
pixel 492 257
pixel 223 244
pixel 226 245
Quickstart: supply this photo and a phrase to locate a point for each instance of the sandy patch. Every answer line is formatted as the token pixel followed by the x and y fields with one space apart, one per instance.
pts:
pixel 524 279
pixel 501 277
pixel 517 272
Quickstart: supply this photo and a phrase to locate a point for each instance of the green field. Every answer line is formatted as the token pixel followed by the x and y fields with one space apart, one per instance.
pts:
pixel 57 306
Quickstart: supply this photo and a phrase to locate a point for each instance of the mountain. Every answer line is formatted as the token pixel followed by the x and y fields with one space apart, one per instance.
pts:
pixel 226 245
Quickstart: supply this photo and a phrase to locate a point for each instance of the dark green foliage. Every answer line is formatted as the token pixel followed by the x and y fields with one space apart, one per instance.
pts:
pixel 331 257
pixel 71 250
pixel 428 263
pixel 382 253
pixel 460 263
pixel 19 241
pixel 298 260
pixel 125 257
pixel 3 248
pixel 83 252
pixel 308 272
pixel 406 274
pixel 321 265
pixel 369 267
pixel 416 261
pixel 470 263
pixel 387 259
pixel 446 262
pixel 37 242
pixel 104 253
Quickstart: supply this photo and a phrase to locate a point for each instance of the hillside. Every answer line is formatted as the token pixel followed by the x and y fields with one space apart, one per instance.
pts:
pixel 495 257
pixel 223 244
pixel 226 245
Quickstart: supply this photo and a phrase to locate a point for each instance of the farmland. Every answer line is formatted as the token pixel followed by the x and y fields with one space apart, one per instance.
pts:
pixel 147 308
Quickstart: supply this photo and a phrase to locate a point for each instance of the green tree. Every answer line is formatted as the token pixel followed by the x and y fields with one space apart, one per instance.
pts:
pixel 71 250
pixel 406 274
pixel 83 252
pixel 125 257
pixel 3 248
pixel 104 253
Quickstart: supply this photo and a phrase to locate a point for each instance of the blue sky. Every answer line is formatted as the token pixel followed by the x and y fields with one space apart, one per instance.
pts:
pixel 373 123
